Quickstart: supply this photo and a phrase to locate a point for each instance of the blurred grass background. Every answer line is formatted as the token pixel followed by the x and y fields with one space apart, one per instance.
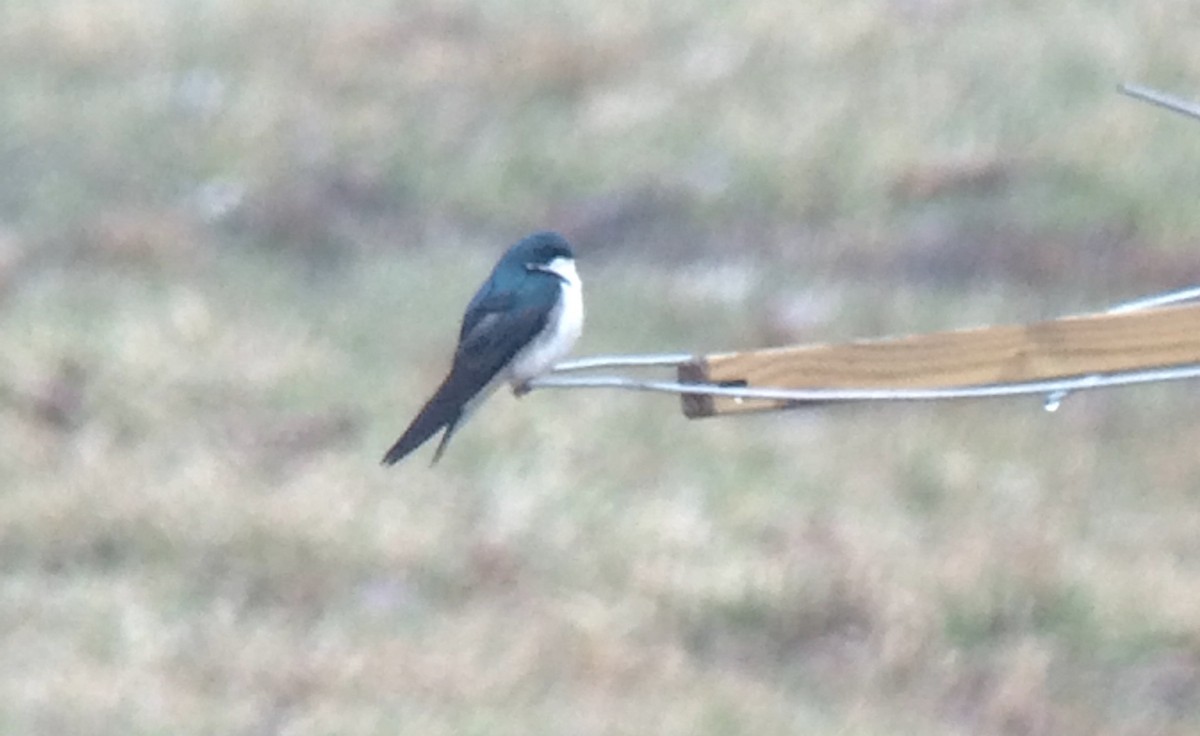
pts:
pixel 235 242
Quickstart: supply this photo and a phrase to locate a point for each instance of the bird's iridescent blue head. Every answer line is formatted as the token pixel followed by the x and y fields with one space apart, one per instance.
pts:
pixel 540 248
pixel 545 252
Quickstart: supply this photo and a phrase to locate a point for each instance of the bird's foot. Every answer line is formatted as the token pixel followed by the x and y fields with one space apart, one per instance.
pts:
pixel 521 388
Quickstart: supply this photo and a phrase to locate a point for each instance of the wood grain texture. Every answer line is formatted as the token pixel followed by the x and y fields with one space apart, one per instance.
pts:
pixel 1061 348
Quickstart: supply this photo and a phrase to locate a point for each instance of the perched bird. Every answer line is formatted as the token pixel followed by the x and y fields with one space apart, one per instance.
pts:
pixel 525 317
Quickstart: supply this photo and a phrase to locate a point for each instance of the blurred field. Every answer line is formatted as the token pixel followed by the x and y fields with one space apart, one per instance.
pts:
pixel 235 241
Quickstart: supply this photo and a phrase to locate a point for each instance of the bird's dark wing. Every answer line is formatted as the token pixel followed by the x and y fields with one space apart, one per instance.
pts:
pixel 490 299
pixel 494 330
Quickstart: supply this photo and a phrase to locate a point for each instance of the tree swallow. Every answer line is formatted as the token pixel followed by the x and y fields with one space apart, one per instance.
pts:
pixel 524 318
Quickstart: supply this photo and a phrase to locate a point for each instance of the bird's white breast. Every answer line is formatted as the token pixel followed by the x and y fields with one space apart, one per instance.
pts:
pixel 563 327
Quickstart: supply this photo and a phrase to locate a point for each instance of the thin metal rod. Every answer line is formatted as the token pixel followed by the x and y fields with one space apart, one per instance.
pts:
pixel 624 361
pixel 1154 97
pixel 1080 383
pixel 1157 300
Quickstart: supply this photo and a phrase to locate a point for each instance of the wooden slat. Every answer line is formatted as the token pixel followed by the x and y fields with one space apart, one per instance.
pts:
pixel 1061 348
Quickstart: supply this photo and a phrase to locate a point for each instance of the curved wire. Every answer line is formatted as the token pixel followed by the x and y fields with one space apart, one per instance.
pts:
pixel 1080 383
pixel 1154 97
pixel 623 361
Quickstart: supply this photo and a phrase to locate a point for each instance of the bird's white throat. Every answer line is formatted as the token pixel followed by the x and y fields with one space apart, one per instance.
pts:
pixel 565 269
pixel 563 326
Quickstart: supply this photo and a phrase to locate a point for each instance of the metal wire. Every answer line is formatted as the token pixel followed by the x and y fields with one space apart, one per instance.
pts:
pixel 1154 97
pixel 1157 300
pixel 623 361
pixel 1081 383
